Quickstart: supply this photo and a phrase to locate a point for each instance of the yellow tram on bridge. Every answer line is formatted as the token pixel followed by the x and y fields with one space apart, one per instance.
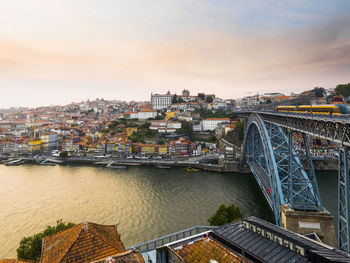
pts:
pixel 331 109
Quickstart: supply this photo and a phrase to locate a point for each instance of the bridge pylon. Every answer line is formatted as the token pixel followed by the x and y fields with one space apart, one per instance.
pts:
pixel 308 222
pixel 344 200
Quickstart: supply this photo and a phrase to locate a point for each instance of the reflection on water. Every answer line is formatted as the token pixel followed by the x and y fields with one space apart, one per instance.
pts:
pixel 144 202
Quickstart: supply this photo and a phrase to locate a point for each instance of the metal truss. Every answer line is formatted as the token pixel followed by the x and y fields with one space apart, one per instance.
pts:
pixel 333 128
pixel 277 168
pixel 344 201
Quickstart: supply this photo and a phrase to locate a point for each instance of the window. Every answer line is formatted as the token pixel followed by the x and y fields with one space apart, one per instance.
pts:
pixel 300 250
pixel 269 235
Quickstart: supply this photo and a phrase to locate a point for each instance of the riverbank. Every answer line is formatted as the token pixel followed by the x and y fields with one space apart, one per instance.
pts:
pixel 231 167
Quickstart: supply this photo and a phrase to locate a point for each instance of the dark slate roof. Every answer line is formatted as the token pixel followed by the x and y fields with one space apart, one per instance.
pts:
pixel 260 248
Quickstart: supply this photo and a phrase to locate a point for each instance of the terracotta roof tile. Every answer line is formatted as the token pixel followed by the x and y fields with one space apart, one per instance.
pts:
pixel 84 242
pixel 131 256
pixel 17 261
pixel 205 250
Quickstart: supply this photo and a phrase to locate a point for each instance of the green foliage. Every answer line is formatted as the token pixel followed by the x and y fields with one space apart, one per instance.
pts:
pixel 30 247
pixel 225 214
pixel 137 137
pixel 209 99
pixel 160 117
pixel 205 113
pixel 142 133
pixel 319 92
pixel 185 128
pixel 343 89
pixel 212 139
pixel 176 99
pixel 64 154
pixel 240 127
pixel 201 96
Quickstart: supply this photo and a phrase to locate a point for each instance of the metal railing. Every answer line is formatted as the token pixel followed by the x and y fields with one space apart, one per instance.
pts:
pixel 344 117
pixel 154 243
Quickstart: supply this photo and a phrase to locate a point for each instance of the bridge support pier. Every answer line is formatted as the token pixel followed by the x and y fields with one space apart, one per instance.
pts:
pixel 344 200
pixel 306 222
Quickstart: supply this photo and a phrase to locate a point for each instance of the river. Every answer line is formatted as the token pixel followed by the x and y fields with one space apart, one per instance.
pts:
pixel 145 202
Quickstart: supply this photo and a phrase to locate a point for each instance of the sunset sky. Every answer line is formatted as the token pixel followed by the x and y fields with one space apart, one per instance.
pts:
pixel 56 52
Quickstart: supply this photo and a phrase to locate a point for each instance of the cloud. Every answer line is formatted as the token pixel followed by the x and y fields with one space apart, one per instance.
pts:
pixel 224 47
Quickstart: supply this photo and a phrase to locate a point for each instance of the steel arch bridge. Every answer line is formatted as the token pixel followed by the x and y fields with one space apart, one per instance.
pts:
pixel 280 173
pixel 265 151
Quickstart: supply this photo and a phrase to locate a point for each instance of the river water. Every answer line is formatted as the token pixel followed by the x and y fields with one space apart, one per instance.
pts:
pixel 145 202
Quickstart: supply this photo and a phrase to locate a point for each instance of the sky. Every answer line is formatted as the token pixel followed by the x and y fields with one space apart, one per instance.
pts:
pixel 57 52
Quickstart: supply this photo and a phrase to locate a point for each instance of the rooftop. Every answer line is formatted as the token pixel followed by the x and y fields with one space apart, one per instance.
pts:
pixel 84 242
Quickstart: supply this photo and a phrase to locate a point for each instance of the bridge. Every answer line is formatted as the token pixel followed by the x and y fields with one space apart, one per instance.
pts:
pixel 276 149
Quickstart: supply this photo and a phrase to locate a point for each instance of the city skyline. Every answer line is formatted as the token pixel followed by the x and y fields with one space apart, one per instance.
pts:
pixel 56 52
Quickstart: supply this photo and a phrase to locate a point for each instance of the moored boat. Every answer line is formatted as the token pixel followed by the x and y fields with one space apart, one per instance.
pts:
pixel 162 167
pixel 190 169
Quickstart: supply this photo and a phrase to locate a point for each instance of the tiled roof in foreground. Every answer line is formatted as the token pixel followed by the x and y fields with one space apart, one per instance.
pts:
pixel 264 242
pixel 17 261
pixel 207 250
pixel 131 256
pixel 84 242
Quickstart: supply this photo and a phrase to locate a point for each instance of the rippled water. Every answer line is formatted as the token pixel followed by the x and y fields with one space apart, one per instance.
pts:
pixel 145 202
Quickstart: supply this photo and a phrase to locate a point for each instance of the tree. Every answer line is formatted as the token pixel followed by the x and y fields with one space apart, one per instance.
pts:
pixel 209 99
pixel 240 127
pixel 30 247
pixel 185 128
pixel 343 89
pixel 201 96
pixel 225 214
pixel 174 99
pixel 319 92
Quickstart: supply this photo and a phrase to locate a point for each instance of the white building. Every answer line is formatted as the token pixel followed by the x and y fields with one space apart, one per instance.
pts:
pixel 145 114
pixel 131 115
pixel 250 101
pixel 164 126
pixel 161 101
pixel 210 124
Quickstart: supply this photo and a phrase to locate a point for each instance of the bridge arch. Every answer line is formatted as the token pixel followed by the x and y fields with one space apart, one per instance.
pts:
pixel 277 168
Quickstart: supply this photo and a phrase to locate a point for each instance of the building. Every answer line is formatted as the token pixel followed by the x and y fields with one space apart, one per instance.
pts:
pixel 182 146
pixel 160 101
pixel 146 114
pixel 131 115
pixel 17 261
pixel 210 124
pixel 150 149
pixel 250 101
pixel 130 256
pixel 49 140
pixel 163 126
pixel 72 244
pixel 34 145
pixel 251 240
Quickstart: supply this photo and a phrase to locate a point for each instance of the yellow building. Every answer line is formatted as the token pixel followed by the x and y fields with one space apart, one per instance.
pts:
pixel 163 149
pixel 34 145
pixel 130 130
pixel 45 139
pixel 148 148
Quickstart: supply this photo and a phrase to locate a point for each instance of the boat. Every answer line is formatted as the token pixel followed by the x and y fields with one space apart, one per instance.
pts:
pixel 14 162
pixel 190 169
pixel 117 166
pixel 162 167
pixel 48 164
